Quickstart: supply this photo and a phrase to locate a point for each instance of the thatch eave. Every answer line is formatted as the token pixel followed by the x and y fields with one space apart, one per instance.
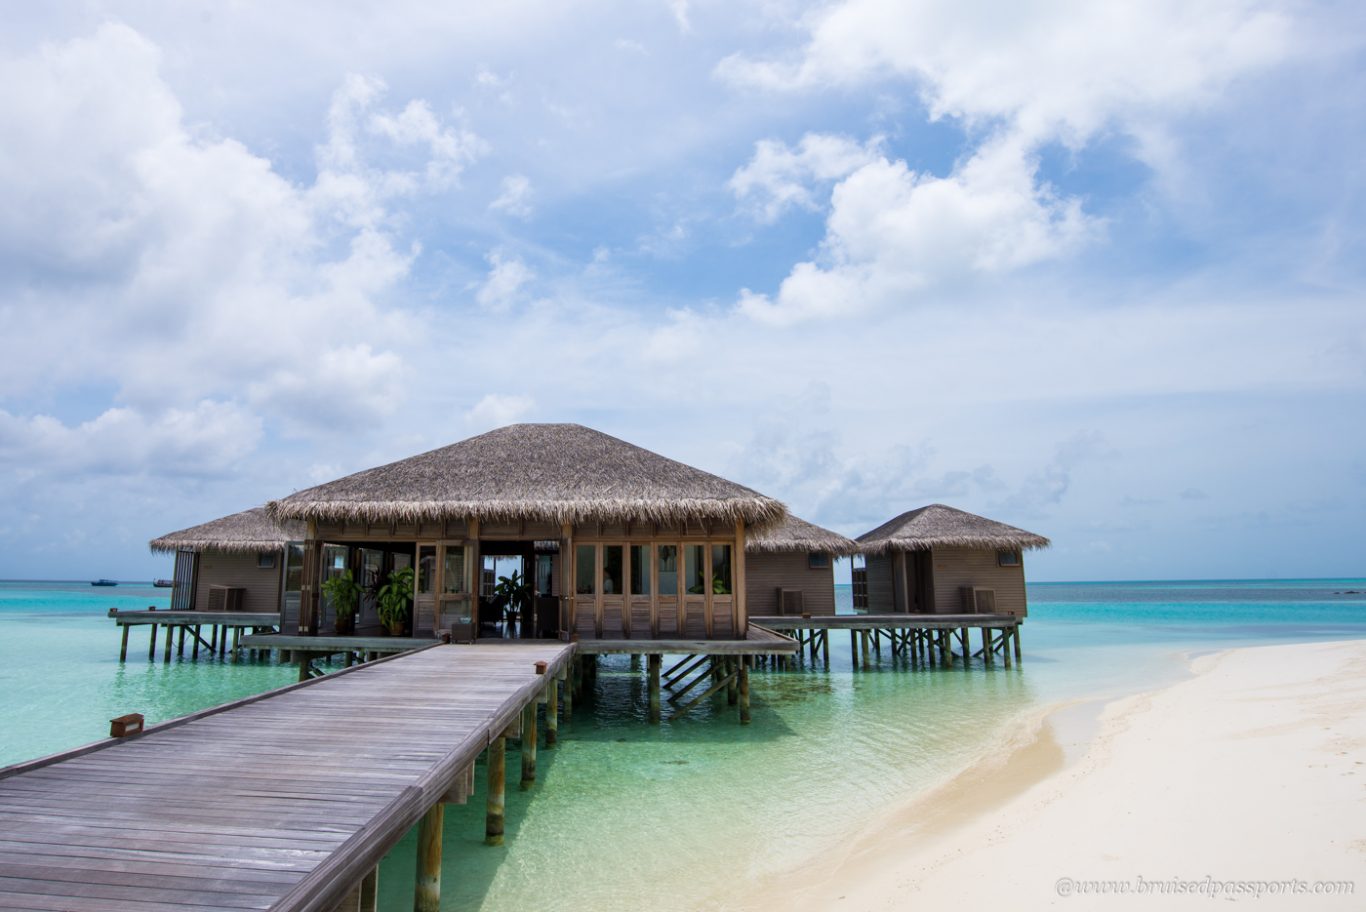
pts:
pixel 795 535
pixel 940 526
pixel 984 542
pixel 757 511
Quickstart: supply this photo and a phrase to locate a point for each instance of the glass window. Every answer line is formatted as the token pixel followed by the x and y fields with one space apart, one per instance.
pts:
pixel 818 560
pixel 640 569
pixel 720 569
pixel 612 580
pixel 668 570
pixel 334 560
pixel 545 564
pixel 265 560
pixel 585 569
pixel 402 560
pixel 294 568
pixel 426 569
pixel 694 578
pixel 453 571
pixel 372 564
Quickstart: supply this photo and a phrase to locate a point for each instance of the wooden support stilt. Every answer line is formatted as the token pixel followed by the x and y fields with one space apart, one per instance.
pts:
pixel 427 892
pixel 369 891
pixel 180 642
pixel 305 669
pixel 552 714
pixel 853 647
pixel 825 647
pixel 654 663
pixel 877 642
pixel 568 694
pixel 529 745
pixel 967 650
pixel 1005 647
pixel 863 647
pixel 732 689
pixel 988 647
pixel 1016 638
pixel 123 650
pixel 170 635
pixel 494 803
pixel 223 642
pixel 743 693
pixel 152 649
pixel 197 640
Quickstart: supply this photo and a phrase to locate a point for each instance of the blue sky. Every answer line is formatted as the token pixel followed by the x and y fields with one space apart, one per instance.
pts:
pixel 1091 268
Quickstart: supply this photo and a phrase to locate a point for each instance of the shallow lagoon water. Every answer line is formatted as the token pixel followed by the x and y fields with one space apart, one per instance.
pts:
pixel 682 816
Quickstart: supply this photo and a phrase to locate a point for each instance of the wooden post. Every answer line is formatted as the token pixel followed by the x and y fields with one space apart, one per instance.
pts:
pixel 180 642
pixel 863 646
pixel 1016 638
pixel 568 683
pixel 967 651
pixel 853 647
pixel 529 744
pixel 197 639
pixel 1005 647
pixel 552 713
pixel 369 891
pixel 732 689
pixel 152 649
pixel 427 894
pixel 825 647
pixel 743 690
pixel 654 662
pixel 494 804
pixel 304 663
pixel 123 650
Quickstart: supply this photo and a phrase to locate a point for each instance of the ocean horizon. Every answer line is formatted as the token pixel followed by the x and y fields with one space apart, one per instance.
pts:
pixel 828 747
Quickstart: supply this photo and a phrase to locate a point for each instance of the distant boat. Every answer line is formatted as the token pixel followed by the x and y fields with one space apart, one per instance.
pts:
pixel 163 584
pixel 104 582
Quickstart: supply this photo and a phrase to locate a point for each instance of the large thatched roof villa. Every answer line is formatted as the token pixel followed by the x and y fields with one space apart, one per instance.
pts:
pixel 616 542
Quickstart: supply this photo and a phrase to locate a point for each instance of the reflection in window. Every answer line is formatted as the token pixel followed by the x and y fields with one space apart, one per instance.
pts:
pixel 611 570
pixel 372 563
pixel 720 569
pixel 294 567
pixel 640 569
pixel 453 572
pixel 426 569
pixel 585 568
pixel 545 564
pixel 334 560
pixel 668 569
pixel 402 560
pixel 694 572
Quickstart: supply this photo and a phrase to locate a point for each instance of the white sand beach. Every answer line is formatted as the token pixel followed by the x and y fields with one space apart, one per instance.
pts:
pixel 1245 783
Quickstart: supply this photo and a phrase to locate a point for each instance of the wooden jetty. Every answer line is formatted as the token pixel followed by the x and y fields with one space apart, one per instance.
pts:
pixel 917 637
pixel 190 625
pixel 283 801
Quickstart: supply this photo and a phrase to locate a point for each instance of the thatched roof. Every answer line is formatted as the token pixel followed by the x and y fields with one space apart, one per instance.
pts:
pixel 938 526
pixel 539 472
pixel 793 534
pixel 242 533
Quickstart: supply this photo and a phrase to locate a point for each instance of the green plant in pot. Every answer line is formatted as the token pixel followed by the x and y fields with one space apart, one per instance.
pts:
pixel 395 601
pixel 515 594
pixel 343 594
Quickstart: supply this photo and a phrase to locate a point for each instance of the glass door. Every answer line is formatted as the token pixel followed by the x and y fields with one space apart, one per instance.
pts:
pixel 455 605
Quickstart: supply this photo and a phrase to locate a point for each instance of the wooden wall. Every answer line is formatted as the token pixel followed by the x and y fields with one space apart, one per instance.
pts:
pixel 766 572
pixel 219 569
pixel 956 567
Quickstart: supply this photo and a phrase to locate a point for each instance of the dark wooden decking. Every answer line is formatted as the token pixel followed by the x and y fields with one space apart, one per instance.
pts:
pixel 125 618
pixel 884 621
pixel 281 801
pixel 758 640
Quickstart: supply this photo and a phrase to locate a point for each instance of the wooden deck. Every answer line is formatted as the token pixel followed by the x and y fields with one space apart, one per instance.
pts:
pixel 189 625
pixel 758 640
pixel 918 637
pixel 282 801
pixel 884 621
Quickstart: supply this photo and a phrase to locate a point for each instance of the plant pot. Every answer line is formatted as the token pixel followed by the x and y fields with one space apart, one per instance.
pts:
pixel 346 624
pixel 396 629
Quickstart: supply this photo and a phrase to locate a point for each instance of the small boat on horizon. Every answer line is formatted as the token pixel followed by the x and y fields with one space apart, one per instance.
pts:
pixel 104 582
pixel 163 583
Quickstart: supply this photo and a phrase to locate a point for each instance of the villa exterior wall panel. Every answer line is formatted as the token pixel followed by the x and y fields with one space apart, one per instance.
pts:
pixel 767 572
pixel 261 585
pixel 955 568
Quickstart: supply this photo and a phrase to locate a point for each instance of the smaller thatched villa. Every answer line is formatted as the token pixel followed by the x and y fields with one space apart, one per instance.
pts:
pixel 939 560
pixel 791 568
pixel 236 563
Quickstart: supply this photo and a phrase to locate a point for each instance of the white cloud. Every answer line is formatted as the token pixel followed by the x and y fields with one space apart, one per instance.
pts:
pixel 779 177
pixel 507 276
pixel 515 196
pixel 498 409
pixel 1017 79
pixel 182 266
pixel 679 9
pixel 893 233
pixel 207 439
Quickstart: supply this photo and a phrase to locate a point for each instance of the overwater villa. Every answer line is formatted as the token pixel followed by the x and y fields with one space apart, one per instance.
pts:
pixel 791 568
pixel 235 563
pixel 939 560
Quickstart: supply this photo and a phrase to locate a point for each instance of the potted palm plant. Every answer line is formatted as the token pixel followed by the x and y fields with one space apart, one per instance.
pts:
pixel 395 601
pixel 343 594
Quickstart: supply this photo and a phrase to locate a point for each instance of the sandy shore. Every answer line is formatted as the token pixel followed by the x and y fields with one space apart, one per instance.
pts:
pixel 1247 779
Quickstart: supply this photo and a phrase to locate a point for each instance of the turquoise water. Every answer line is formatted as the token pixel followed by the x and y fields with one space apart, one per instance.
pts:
pixel 626 815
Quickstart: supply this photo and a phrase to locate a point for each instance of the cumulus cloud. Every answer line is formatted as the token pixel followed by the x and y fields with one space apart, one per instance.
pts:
pixel 206 439
pixel 506 278
pixel 779 177
pixel 180 265
pixel 514 196
pixel 1017 80
pixel 498 409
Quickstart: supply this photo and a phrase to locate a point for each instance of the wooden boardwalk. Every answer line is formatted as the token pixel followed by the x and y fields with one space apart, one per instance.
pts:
pixel 282 801
pixel 190 624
